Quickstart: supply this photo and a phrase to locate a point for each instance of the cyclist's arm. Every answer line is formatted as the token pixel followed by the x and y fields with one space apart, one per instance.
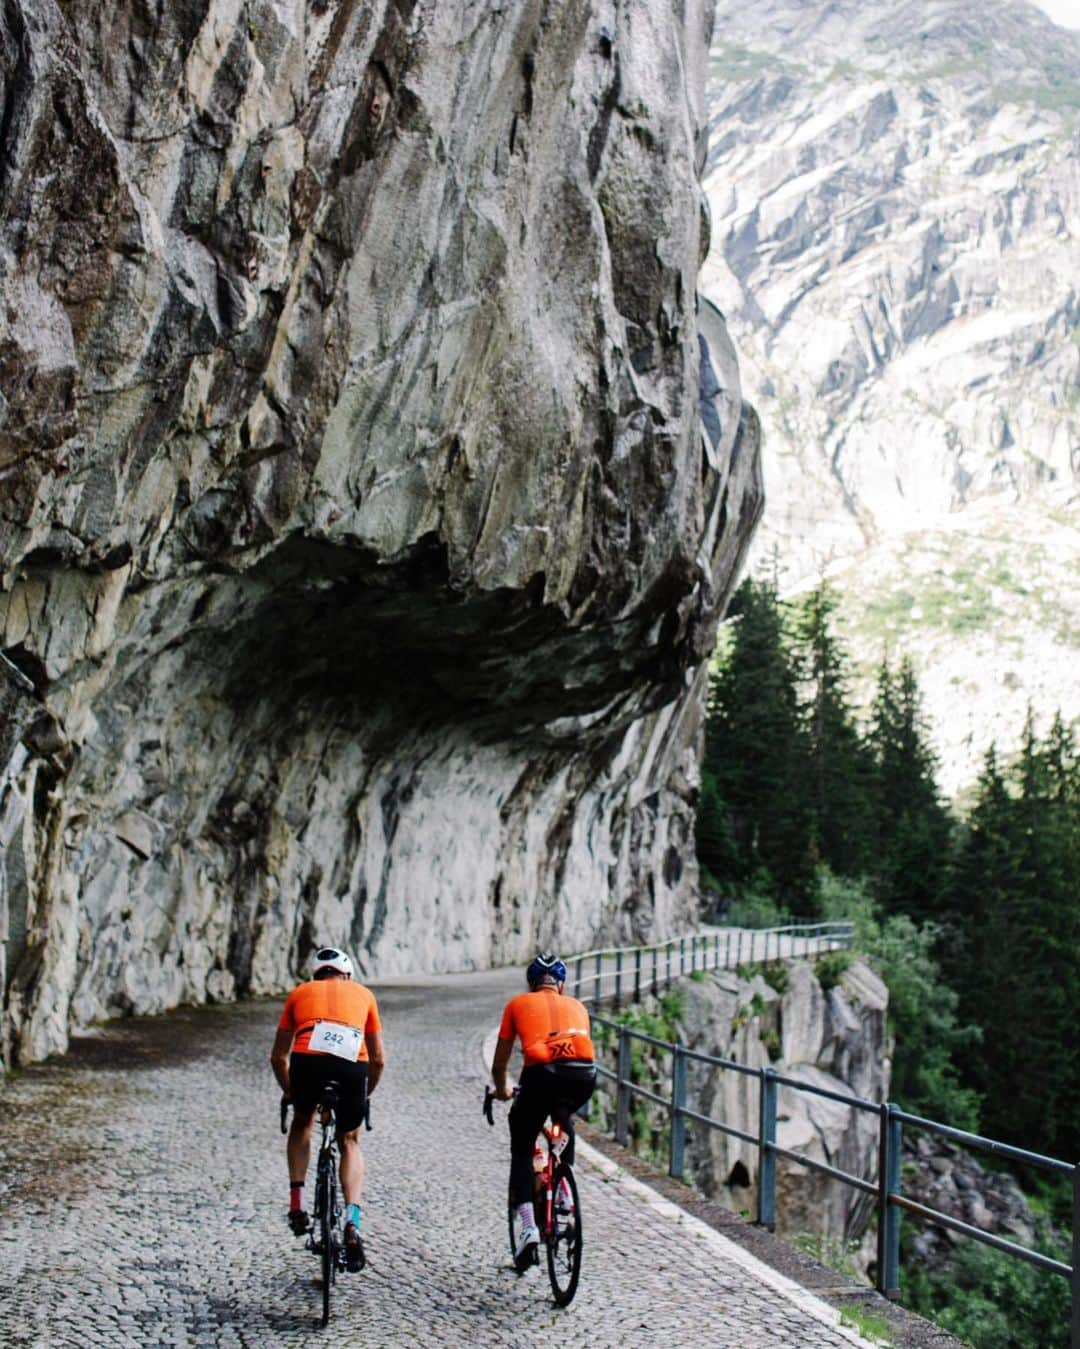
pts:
pixel 279 1058
pixel 376 1059
pixel 500 1061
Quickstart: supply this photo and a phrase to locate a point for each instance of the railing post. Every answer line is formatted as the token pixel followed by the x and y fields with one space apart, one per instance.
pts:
pixel 890 1144
pixel 727 949
pixel 766 1202
pixel 596 981
pixel 738 948
pixel 678 1119
pixel 667 952
pixel 682 956
pixel 622 1088
pixel 577 979
pixel 1075 1339
pixel 637 975
pixel 716 951
pixel 618 978
pixel 655 971
pixel 693 954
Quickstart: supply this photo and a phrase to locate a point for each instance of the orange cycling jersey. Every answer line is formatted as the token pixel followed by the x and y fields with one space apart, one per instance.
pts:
pixel 551 1026
pixel 339 1000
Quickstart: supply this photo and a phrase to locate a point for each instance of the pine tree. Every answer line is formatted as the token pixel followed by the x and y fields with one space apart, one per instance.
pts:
pixel 1015 920
pixel 1046 923
pixel 977 950
pixel 912 824
pixel 840 766
pixel 755 754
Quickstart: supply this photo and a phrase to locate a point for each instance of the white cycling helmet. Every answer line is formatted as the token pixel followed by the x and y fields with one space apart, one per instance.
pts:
pixel 330 958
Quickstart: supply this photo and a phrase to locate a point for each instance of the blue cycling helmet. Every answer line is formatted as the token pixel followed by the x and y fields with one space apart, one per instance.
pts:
pixel 546 967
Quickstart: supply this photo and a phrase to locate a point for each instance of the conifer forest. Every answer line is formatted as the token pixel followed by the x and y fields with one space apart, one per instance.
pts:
pixel 811 808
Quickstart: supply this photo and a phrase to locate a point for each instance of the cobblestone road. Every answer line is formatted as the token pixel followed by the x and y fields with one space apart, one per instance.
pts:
pixel 144 1187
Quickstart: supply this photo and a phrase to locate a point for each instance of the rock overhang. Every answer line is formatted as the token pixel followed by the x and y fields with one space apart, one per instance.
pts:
pixel 357 533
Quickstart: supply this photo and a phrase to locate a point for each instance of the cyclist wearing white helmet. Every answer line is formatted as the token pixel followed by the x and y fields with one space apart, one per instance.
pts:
pixel 558 1078
pixel 329 1029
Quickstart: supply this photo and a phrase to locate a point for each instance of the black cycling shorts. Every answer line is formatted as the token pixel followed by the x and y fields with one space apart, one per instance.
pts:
pixel 309 1073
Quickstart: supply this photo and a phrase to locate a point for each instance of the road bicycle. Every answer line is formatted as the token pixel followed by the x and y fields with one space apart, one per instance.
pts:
pixel 557 1208
pixel 325 1239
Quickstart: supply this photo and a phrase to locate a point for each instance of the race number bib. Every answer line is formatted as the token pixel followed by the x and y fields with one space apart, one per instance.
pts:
pixel 330 1037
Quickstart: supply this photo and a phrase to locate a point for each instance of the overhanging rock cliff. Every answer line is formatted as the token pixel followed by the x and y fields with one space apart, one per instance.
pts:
pixel 359 536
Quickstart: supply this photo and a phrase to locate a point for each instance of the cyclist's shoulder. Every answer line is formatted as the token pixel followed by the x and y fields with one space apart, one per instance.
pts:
pixel 512 1008
pixel 361 995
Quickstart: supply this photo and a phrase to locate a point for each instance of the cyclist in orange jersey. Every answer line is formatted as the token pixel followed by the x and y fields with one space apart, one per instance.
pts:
pixel 329 1030
pixel 559 1076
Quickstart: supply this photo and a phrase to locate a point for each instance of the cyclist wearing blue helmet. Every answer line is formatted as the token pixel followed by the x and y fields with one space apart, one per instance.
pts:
pixel 558 1078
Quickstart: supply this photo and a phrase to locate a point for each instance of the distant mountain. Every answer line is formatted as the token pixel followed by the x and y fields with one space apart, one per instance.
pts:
pixel 895 194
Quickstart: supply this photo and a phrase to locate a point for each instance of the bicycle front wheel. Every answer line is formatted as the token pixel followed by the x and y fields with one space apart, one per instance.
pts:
pixel 564 1240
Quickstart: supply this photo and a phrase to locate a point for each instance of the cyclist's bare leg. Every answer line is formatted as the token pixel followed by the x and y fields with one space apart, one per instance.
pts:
pixel 298 1147
pixel 352 1166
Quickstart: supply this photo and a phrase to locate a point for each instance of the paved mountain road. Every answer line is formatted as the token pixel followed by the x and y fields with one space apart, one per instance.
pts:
pixel 144 1187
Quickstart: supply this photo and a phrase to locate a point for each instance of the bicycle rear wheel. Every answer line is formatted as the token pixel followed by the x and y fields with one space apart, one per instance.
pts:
pixel 325 1204
pixel 564 1241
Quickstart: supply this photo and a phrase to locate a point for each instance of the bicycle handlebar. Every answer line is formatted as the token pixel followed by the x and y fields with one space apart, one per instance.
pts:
pixel 489 1100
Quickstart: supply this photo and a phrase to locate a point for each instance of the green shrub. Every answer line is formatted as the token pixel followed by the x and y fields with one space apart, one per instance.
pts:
pixel 830 968
pixel 756 908
pixel 838 1254
pixel 776 974
pixel 991 1299
pixel 922 1006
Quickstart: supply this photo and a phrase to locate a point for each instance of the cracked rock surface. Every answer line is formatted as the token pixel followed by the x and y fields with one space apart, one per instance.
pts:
pixel 360 544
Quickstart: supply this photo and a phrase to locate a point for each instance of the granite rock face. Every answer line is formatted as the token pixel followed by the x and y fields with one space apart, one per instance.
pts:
pixel 831 1038
pixel 360 543
pixel 895 193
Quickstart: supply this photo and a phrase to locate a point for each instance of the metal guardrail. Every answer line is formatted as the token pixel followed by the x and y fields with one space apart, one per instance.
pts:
pixel 615 972
pixel 613 967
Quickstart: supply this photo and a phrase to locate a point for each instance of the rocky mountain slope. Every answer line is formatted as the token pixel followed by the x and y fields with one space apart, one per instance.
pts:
pixel 359 545
pixel 895 192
